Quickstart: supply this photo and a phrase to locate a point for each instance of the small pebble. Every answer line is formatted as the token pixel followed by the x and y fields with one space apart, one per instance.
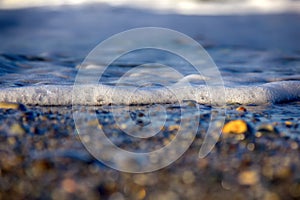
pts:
pixel 267 128
pixel 249 177
pixel 174 128
pixel 235 127
pixel 288 124
pixel 141 194
pixel 282 172
pixel 40 167
pixel 16 129
pixel 241 109
pixel 69 185
pixel 14 106
pixel 191 104
pixel 294 145
pixel 202 163
pixel 251 146
pixel 188 177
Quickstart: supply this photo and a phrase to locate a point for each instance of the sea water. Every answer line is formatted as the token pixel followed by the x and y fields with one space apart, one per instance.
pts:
pixel 257 56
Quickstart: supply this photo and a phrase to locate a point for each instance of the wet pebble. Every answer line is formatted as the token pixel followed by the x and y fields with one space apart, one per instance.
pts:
pixel 174 127
pixel 16 130
pixel 69 185
pixel 14 106
pixel 288 124
pixel 235 127
pixel 241 109
pixel 267 128
pixel 248 177
pixel 188 177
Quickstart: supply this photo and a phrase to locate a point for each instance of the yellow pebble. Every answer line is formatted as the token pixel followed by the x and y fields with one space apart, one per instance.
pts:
pixel 188 177
pixel 16 129
pixel 235 127
pixel 174 127
pixel 249 177
pixel 4 105
pixel 241 109
pixel 288 123
pixel 171 137
pixel 141 194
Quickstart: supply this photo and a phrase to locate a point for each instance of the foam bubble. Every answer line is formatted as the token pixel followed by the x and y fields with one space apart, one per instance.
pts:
pixel 275 92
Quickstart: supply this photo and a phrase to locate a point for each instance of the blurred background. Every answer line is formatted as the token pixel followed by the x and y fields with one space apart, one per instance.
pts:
pixel 178 6
pixel 74 27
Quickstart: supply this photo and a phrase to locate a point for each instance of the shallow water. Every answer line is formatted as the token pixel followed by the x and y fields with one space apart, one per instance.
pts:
pixel 238 66
pixel 250 77
pixel 259 49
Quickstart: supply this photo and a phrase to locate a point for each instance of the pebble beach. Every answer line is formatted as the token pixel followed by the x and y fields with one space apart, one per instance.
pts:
pixel 42 153
pixel 257 157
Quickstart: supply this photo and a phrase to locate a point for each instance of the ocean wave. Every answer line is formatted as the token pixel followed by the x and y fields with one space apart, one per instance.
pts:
pixel 46 95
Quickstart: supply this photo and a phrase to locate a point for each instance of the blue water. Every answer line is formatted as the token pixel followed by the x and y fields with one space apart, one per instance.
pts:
pixel 249 50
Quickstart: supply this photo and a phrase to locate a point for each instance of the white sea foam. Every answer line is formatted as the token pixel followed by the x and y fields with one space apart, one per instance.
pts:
pixel 275 92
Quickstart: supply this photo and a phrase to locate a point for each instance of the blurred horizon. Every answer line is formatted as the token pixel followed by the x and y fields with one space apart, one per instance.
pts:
pixel 188 7
pixel 57 29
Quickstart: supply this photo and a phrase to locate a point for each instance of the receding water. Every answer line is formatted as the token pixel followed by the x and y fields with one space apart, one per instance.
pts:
pixel 249 50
